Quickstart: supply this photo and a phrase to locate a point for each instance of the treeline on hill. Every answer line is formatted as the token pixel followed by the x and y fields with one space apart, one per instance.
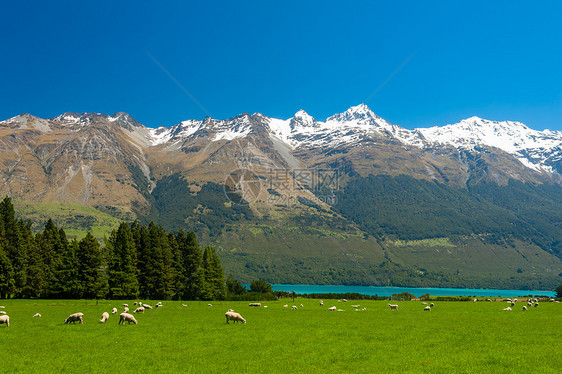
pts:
pixel 137 261
pixel 411 209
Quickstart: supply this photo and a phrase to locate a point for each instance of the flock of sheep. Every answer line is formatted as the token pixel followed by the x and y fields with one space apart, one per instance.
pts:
pixel 231 315
pixel 78 317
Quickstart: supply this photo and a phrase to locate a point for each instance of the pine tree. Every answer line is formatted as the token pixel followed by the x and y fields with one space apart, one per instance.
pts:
pixel 6 275
pixel 192 264
pixel 234 287
pixel 122 266
pixel 214 286
pixel 93 281
pixel 35 278
pixel 11 237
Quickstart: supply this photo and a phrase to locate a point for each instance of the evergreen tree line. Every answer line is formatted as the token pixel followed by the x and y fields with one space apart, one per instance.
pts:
pixel 137 261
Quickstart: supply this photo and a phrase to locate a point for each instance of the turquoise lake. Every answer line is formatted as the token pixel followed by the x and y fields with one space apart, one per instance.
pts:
pixel 388 291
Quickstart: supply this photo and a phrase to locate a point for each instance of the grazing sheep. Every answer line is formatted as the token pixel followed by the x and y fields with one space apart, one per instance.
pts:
pixel 332 309
pixel 158 304
pixel 104 317
pixel 344 300
pixel 364 308
pixel 427 308
pixel 507 309
pixel 294 307
pixel 2 312
pixel 146 306
pixel 231 310
pixel 529 303
pixel 424 303
pixel 125 305
pixel 432 305
pixel 233 316
pixel 355 306
pixel 135 303
pixel 209 304
pixel 114 311
pixel 475 300
pixel 393 306
pixel 340 310
pixel 74 318
pixel 255 304
pixel 126 310
pixel 2 307
pixel 488 299
pixel 302 306
pixel 285 306
pixel 126 317
pixel 265 306
pixel 37 315
pixel 5 319
pixel 512 303
pixel 321 303
pixel 536 304
pixel 140 303
pixel 140 309
pixel 183 304
pixel 524 307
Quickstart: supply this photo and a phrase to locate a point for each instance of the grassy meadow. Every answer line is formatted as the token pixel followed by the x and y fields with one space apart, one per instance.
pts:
pixel 462 337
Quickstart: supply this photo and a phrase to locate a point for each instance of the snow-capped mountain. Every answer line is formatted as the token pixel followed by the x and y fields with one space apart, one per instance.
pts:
pixel 539 150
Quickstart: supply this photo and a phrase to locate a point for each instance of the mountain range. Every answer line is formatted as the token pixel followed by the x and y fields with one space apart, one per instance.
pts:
pixel 352 199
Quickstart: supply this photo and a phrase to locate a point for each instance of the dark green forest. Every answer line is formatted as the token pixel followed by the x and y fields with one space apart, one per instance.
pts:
pixel 411 209
pixel 136 260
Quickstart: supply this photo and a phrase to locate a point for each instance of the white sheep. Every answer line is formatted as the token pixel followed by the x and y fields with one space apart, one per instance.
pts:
pixel 424 303
pixel 393 306
pixel 158 304
pixel 2 312
pixel 355 306
pixel 285 306
pixel 126 317
pixel 524 307
pixel 344 300
pixel 140 309
pixel 321 303
pixel 254 304
pixel 135 303
pixel 5 319
pixel 2 307
pixel 507 309
pixel 302 306
pixel 537 304
pixel 104 317
pixel 125 305
pixel 340 310
pixel 294 307
pixel 209 304
pixel 37 315
pixel 233 316
pixel 332 309
pixel 146 306
pixel 126 310
pixel 74 318
pixel 428 308
pixel 114 311
pixel 183 304
pixel 432 305
pixel 265 306
pixel 364 308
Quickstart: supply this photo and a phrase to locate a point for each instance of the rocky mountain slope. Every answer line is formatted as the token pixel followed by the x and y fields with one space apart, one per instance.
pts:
pixel 302 200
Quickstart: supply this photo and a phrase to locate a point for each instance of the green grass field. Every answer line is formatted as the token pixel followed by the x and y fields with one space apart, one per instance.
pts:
pixel 462 337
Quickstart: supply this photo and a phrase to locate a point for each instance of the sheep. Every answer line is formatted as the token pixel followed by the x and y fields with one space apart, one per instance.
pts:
pixel 209 304
pixel 255 304
pixel 135 303
pixel 302 306
pixel 428 308
pixel 2 312
pixel 344 300
pixel 233 316
pixel 355 306
pixel 332 309
pixel 126 317
pixel 340 310
pixel 488 299
pixel 74 318
pixel 37 315
pixel 507 309
pixel 512 303
pixel 432 305
pixel 126 310
pixel 125 305
pixel 294 307
pixel 140 309
pixel 158 304
pixel 536 304
pixel 321 303
pixel 114 311
pixel 2 307
pixel 5 319
pixel 183 304
pixel 529 303
pixel 285 306
pixel 231 310
pixel 393 306
pixel 364 308
pixel 265 306
pixel 104 317
pixel 146 306
pixel 140 303
pixel 424 303
pixel 475 300
pixel 524 307
pixel 551 300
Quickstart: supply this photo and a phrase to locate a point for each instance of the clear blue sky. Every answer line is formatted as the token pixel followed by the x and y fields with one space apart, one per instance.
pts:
pixel 415 63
